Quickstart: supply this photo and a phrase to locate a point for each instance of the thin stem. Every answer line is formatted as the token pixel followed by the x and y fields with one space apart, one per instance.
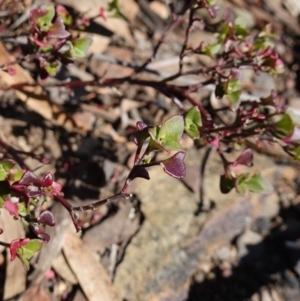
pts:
pixel 204 163
pixel 203 111
pixel 186 38
pixel 97 204
pixel 171 26
pixel 92 206
pixel 69 207
pixel 5 244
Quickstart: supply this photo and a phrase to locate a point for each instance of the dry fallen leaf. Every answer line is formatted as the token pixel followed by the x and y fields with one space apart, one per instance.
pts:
pixel 62 268
pixel 160 9
pixel 91 8
pixel 282 15
pixel 34 96
pixel 15 280
pixel 91 276
pixel 53 248
pixel 105 69
pixel 293 7
pixel 129 9
pixel 35 293
pixel 115 229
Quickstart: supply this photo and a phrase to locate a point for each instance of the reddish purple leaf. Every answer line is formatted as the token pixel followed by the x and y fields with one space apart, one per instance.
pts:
pixel 35 14
pixel 246 158
pixel 265 51
pixel 272 60
pixel 31 186
pixel 40 234
pixel 34 193
pixel 15 245
pixel 29 178
pixel 142 133
pixel 140 125
pixel 59 44
pixel 61 10
pixel 11 207
pixel 40 43
pixel 175 166
pixel 212 10
pixel 47 180
pixel 19 188
pixel 56 188
pixel 29 191
pixel 47 218
pixel 57 30
pixel 139 172
pixel 236 74
pixel 228 15
pixel 237 51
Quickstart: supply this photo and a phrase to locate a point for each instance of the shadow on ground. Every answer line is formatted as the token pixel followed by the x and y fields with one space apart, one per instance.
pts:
pixel 272 264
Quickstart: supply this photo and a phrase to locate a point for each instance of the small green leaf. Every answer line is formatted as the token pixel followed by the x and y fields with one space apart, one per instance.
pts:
pixel 263 43
pixel 23 210
pixel 223 33
pixel 7 164
pixel 26 252
pixel 192 120
pixel 212 49
pixel 80 47
pixel 16 175
pixel 153 143
pixel 5 167
pixel 255 183
pixel 297 153
pixel 51 68
pixel 3 173
pixel 46 49
pixel 233 85
pixel 114 7
pixel 240 29
pixel 284 127
pixel 67 19
pixel 45 21
pixel 114 4
pixel 147 160
pixel 234 98
pixel 264 40
pixel 169 133
pixel 63 12
pixel 233 92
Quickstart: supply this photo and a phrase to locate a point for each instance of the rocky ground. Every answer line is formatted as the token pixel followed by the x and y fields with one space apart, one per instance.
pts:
pixel 174 240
